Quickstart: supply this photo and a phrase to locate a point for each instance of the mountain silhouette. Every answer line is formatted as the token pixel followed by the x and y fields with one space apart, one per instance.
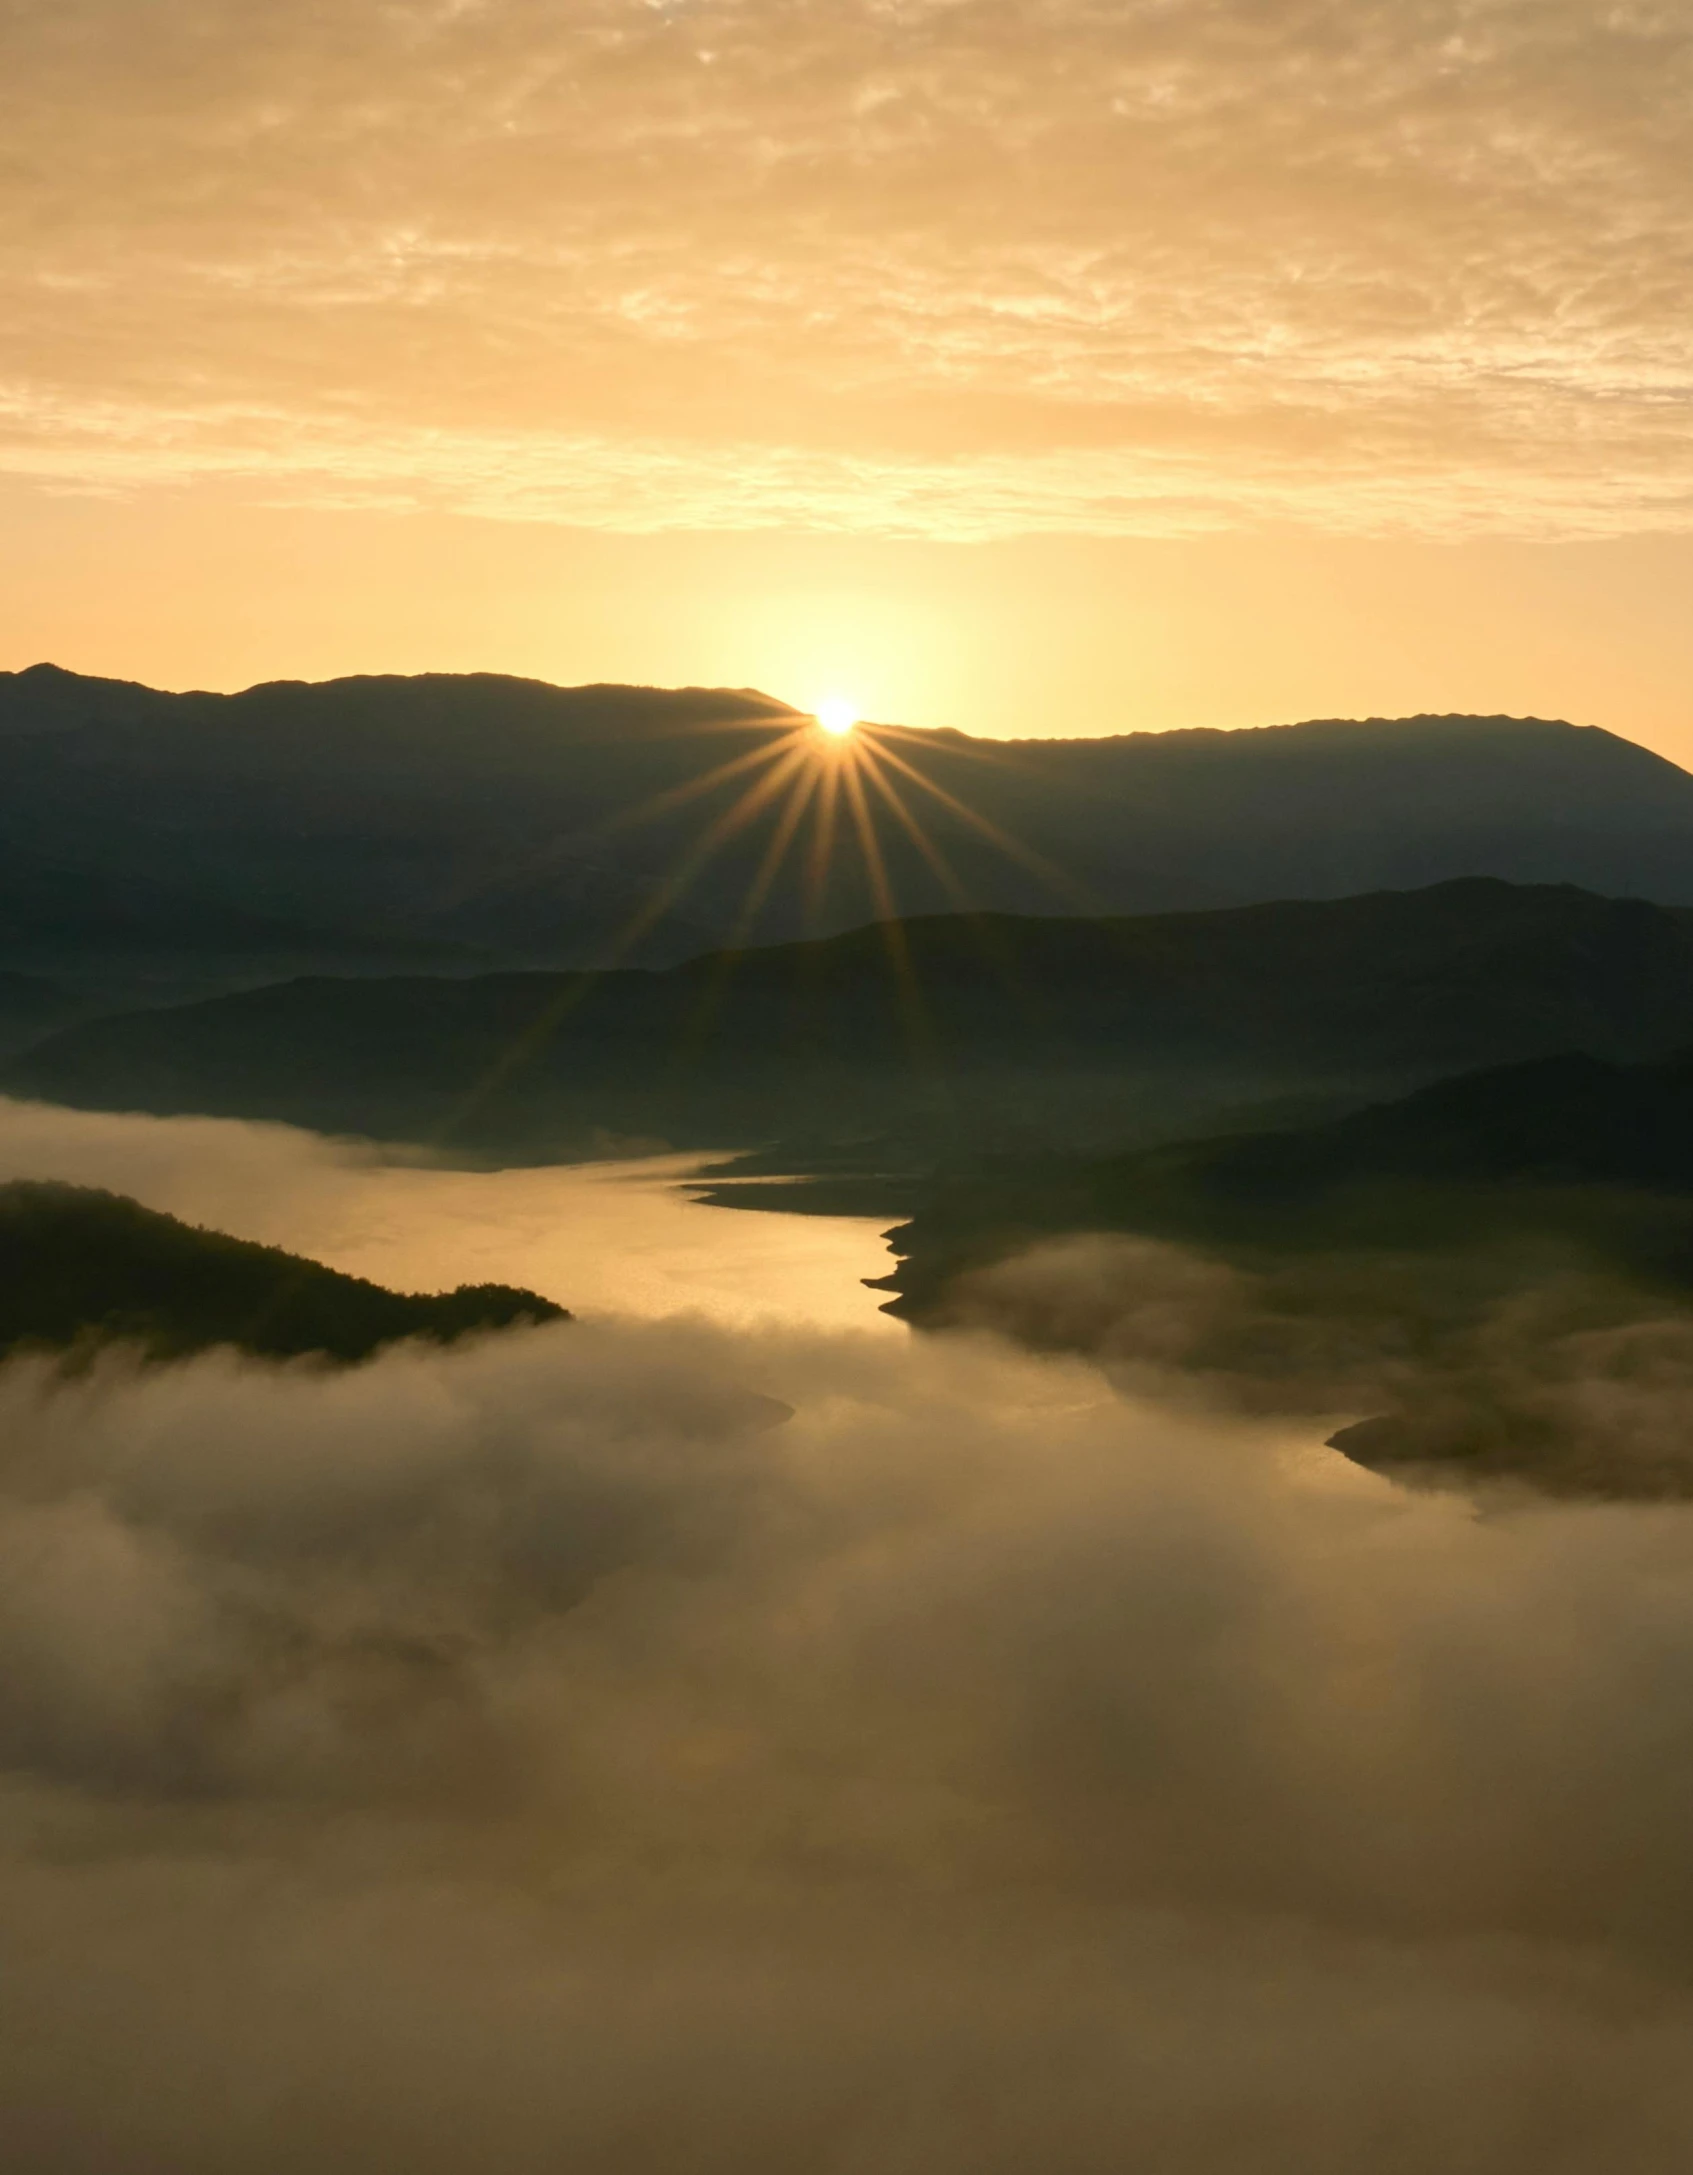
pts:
pixel 1503 1259
pixel 111 937
pixel 976 1031
pixel 30 1007
pixel 81 1267
pixel 1571 1119
pixel 498 821
pixel 1502 1146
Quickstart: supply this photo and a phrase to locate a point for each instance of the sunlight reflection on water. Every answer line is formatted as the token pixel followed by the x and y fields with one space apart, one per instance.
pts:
pixel 605 1238
pixel 600 1237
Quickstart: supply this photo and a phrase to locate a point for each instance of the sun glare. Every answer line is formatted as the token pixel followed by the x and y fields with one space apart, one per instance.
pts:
pixel 837 715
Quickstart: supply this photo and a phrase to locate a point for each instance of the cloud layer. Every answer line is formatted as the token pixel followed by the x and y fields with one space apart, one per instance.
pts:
pixel 652 1745
pixel 1530 1360
pixel 538 1756
pixel 946 267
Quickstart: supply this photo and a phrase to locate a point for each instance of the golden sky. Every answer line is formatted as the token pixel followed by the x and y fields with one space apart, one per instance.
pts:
pixel 1018 364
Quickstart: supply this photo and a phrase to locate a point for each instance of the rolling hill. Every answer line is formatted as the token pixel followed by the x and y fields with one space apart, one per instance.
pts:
pixel 31 1007
pixel 963 1031
pixel 1503 1261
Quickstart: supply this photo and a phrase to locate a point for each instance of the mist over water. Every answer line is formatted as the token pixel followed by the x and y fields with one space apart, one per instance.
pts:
pixel 757 1745
pixel 611 1237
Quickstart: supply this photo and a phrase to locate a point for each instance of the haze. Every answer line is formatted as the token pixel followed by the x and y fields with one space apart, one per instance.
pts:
pixel 636 1744
pixel 741 1434
pixel 1024 365
pixel 617 1237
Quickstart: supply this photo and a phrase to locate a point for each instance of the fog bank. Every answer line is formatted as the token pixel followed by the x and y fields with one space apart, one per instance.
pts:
pixel 611 1237
pixel 1488 1361
pixel 546 1753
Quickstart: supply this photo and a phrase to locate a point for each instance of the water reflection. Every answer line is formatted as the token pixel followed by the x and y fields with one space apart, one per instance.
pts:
pixel 599 1238
pixel 605 1238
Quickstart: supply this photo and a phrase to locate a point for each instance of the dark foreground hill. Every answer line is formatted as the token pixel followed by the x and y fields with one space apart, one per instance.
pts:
pixel 952 1032
pixel 80 1267
pixel 1504 1261
pixel 150 837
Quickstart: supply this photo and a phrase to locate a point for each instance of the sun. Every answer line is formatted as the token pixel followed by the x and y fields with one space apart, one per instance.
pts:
pixel 837 715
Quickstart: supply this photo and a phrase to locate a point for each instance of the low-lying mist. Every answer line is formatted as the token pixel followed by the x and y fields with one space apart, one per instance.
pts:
pixel 653 1745
pixel 1519 1359
pixel 602 1237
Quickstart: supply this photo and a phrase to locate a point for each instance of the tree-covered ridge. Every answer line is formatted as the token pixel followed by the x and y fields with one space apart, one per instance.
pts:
pixel 81 1266
pixel 992 1031
pixel 159 845
pixel 1493 1275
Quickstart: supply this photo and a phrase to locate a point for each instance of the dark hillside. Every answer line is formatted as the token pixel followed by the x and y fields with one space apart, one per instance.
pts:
pixel 985 1030
pixel 438 810
pixel 493 816
pixel 1559 1141
pixel 30 1007
pixel 1503 1261
pixel 124 938
pixel 80 1267
pixel 1573 1119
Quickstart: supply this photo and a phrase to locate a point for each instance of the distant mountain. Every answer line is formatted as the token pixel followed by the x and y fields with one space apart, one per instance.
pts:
pixel 498 817
pixel 959 1032
pixel 127 938
pixel 79 1267
pixel 465 814
pixel 31 1007
pixel 1504 1261
pixel 1572 1119
pixel 1503 1148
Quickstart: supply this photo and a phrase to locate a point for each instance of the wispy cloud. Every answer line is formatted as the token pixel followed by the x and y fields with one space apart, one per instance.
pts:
pixel 960 269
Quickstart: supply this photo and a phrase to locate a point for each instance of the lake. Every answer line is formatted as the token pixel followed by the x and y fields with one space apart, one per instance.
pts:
pixel 600 1238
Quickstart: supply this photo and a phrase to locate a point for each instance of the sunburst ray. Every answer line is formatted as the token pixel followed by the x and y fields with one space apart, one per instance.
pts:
pixel 919 1027
pixel 764 877
pixel 824 820
pixel 951 881
pixel 663 895
pixel 678 796
pixel 1037 864
pixel 818 779
pixel 988 937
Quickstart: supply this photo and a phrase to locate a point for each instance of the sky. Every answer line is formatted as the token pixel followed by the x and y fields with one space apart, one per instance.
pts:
pixel 1020 365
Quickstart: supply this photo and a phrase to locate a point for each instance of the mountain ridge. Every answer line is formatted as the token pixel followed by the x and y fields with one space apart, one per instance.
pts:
pixel 992 1029
pixel 531 826
pixel 1453 1266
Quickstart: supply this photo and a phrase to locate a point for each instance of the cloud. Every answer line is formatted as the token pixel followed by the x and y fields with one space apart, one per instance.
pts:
pixel 548 1753
pixel 532 1755
pixel 1525 1360
pixel 610 1237
pixel 963 269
